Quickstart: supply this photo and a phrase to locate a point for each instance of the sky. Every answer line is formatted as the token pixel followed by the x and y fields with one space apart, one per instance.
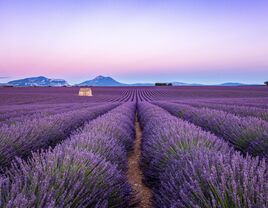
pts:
pixel 195 41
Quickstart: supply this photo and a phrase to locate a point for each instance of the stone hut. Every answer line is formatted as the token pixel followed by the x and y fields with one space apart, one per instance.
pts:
pixel 85 91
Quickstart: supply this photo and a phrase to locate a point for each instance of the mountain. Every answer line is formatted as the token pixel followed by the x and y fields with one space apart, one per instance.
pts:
pixel 232 84
pixel 98 81
pixel 39 81
pixel 141 84
pixel 102 81
pixel 3 84
pixel 108 81
pixel 184 84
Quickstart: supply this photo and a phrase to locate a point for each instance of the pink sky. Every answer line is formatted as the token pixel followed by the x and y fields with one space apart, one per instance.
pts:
pixel 127 39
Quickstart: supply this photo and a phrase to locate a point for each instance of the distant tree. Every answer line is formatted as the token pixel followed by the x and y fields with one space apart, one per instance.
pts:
pixel 160 84
pixel 163 84
pixel 266 83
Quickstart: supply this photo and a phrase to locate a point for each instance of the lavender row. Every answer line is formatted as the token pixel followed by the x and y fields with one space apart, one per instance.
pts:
pixel 20 110
pixel 15 114
pixel 257 102
pixel 111 135
pixel 33 134
pixel 188 167
pixel 249 135
pixel 84 171
pixel 18 118
pixel 165 136
pixel 234 109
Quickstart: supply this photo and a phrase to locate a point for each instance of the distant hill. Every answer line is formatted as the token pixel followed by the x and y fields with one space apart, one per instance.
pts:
pixel 101 81
pixel 232 84
pixel 184 84
pixel 108 81
pixel 38 81
pixel 141 84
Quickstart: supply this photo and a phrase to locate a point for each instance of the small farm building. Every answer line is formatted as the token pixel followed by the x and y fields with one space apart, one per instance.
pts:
pixel 85 91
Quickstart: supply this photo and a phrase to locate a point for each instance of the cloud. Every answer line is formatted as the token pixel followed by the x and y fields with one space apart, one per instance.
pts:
pixel 4 77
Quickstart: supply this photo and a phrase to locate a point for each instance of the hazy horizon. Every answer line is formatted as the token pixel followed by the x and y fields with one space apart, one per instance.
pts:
pixel 124 82
pixel 205 41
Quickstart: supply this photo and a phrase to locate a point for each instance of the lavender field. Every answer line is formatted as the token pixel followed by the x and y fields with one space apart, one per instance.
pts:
pixel 166 147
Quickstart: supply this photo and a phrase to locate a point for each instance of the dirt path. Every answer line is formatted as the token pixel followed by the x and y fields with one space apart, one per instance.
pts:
pixel 134 173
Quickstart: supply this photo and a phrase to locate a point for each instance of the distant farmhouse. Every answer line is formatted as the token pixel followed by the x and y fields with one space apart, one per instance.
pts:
pixel 85 91
pixel 163 84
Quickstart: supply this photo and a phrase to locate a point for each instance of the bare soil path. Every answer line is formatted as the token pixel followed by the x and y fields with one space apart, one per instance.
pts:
pixel 134 173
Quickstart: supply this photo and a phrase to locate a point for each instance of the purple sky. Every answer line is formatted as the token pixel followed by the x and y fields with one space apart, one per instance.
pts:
pixel 201 41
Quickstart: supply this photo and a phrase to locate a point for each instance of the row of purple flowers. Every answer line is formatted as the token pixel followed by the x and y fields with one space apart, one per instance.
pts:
pixel 32 134
pixel 85 170
pixel 244 111
pixel 188 167
pixel 246 134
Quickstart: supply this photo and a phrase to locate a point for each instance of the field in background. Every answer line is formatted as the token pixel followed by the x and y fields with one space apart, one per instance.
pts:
pixel 48 95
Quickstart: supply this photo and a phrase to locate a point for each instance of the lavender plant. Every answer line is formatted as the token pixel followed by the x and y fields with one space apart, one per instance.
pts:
pixel 64 178
pixel 187 167
pixel 165 138
pixel 31 135
pixel 111 135
pixel 234 109
pixel 16 114
pixel 77 172
pixel 249 135
pixel 206 179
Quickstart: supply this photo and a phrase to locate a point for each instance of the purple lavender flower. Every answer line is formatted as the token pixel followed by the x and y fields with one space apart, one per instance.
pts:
pixel 243 133
pixel 32 134
pixel 187 167
pixel 173 139
pixel 77 172
pixel 202 178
